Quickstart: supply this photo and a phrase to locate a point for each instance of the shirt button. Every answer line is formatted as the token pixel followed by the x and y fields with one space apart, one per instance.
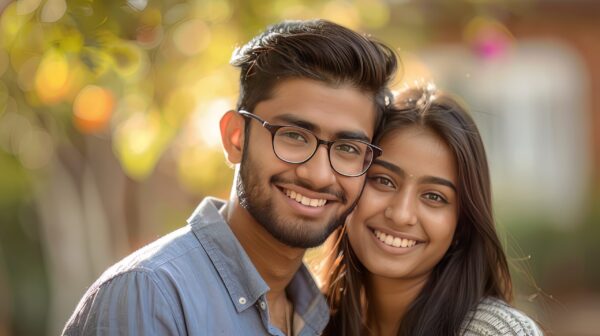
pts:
pixel 242 300
pixel 263 305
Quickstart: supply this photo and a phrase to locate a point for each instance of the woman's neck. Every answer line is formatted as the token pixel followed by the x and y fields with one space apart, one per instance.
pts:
pixel 388 300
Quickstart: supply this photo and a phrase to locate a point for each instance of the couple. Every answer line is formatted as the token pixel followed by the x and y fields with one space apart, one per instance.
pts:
pixel 418 254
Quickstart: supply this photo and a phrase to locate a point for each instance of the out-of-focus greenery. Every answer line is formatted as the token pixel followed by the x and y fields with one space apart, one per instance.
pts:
pixel 109 69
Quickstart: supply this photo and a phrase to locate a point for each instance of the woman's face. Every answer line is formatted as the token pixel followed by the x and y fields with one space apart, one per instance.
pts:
pixel 405 220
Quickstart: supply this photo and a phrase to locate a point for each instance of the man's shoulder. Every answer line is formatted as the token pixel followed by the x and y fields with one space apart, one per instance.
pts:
pixel 141 290
pixel 493 316
pixel 179 246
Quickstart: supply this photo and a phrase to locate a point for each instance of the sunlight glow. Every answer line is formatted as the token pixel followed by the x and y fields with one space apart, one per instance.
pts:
pixel 93 108
pixel 206 121
pixel 51 81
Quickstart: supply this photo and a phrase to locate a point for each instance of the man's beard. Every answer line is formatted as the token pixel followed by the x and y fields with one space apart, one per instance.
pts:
pixel 259 203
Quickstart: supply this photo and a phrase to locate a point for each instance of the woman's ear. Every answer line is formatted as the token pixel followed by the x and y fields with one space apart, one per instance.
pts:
pixel 232 136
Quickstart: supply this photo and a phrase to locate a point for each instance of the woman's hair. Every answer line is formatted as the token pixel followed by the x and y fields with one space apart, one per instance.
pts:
pixel 474 266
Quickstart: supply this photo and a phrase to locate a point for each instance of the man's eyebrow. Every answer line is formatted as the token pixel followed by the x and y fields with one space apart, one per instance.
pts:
pixel 352 135
pixel 425 179
pixel 289 119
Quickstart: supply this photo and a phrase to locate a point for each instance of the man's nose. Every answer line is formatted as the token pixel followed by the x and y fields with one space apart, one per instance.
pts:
pixel 317 171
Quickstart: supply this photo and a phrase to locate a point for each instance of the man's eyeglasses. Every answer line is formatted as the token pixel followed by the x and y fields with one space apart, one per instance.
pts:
pixel 293 144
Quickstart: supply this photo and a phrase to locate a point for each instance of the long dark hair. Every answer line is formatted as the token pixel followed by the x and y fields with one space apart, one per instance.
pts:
pixel 474 266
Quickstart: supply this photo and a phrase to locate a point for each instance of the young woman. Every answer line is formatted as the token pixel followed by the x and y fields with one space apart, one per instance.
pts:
pixel 420 254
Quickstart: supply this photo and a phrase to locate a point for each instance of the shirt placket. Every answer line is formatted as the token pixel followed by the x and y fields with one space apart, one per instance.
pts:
pixel 263 310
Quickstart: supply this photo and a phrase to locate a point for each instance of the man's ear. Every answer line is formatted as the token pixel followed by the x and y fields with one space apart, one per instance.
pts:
pixel 232 136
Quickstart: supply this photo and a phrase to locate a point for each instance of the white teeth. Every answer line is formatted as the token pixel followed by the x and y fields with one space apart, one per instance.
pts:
pixel 312 202
pixel 394 241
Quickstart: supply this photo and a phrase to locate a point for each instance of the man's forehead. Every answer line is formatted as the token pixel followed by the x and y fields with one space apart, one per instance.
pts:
pixel 328 128
pixel 321 107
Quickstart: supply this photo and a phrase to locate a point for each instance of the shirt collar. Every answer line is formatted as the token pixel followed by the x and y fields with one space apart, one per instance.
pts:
pixel 243 282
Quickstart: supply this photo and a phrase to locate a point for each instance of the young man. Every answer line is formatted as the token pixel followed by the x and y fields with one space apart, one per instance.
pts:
pixel 312 94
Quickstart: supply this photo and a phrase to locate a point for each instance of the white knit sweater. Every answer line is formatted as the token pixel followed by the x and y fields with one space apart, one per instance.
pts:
pixel 494 317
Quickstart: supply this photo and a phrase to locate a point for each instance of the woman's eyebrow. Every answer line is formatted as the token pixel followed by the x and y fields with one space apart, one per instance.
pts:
pixel 425 179
pixel 438 180
pixel 390 166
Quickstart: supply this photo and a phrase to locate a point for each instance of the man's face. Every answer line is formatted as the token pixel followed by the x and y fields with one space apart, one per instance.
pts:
pixel 301 204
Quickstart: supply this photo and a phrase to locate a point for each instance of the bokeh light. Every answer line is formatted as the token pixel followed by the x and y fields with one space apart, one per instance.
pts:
pixel 128 60
pixel 93 108
pixel 139 142
pixel 489 38
pixel 150 31
pixel 52 77
pixel 25 7
pixel 191 37
pixel 53 10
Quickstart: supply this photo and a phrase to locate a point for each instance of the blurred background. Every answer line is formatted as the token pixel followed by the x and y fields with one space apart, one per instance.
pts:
pixel 109 131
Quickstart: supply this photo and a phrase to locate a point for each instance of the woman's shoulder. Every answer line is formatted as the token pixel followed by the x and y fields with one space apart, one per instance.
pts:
pixel 495 317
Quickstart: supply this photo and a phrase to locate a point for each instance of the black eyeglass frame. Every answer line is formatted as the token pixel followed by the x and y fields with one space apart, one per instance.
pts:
pixel 274 128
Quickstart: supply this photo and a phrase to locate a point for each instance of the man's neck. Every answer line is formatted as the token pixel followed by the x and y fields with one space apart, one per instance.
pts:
pixel 276 262
pixel 389 300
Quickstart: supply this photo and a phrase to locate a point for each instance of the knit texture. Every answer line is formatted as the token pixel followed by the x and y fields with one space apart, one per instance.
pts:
pixel 494 317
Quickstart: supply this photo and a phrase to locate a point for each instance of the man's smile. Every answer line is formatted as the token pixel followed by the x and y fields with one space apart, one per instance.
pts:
pixel 298 197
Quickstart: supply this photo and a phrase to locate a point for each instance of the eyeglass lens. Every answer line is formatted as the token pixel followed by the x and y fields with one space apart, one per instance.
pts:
pixel 296 145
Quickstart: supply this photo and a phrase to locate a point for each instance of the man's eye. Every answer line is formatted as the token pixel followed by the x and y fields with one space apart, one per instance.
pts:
pixel 347 148
pixel 293 136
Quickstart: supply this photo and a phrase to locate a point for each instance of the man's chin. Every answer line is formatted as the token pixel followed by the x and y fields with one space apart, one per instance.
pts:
pixel 302 242
pixel 299 237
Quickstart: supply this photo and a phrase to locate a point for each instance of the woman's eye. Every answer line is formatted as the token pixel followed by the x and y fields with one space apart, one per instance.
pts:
pixel 383 181
pixel 435 197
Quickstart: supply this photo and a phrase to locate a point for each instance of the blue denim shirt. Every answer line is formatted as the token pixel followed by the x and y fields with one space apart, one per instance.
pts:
pixel 197 280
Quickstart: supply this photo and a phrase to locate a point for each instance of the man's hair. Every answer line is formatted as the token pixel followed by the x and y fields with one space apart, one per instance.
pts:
pixel 318 50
